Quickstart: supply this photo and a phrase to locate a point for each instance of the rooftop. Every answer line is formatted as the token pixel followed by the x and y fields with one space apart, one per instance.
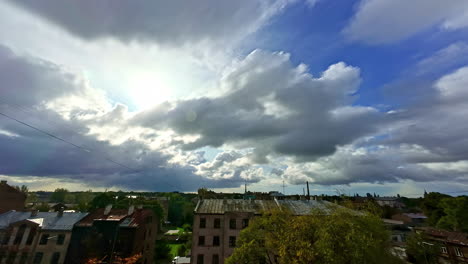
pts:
pixel 119 215
pixel 221 206
pixel 453 237
pixel 46 220
pixel 415 216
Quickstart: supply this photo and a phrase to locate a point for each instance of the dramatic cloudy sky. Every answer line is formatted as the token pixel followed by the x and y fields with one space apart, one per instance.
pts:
pixel 352 96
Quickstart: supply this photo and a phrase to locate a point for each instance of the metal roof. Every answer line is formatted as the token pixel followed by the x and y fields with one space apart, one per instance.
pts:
pixel 46 220
pixel 221 206
pixel 305 207
pixel 137 217
pixel 415 216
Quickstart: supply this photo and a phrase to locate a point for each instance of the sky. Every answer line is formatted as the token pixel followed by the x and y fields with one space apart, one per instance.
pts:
pixel 350 96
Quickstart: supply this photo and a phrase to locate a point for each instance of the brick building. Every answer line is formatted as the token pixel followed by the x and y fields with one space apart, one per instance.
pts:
pixel 11 198
pixel 453 245
pixel 109 233
pixel 218 223
pixel 36 237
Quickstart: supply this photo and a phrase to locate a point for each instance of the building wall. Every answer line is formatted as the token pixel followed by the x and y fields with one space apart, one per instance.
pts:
pixel 451 257
pixel 145 238
pixel 224 232
pixel 131 240
pixel 47 249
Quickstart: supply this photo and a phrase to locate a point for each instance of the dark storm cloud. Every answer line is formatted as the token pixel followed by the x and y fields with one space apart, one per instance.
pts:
pixel 31 84
pixel 166 22
pixel 31 81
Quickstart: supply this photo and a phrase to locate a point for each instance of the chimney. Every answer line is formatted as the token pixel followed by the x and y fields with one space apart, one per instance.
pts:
pixel 60 211
pixel 4 182
pixel 34 212
pixel 107 210
pixel 131 209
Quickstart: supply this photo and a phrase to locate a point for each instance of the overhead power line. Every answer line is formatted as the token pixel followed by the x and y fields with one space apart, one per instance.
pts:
pixel 88 150
pixel 63 140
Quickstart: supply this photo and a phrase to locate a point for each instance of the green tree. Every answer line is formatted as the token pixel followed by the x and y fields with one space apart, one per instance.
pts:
pixel 420 251
pixel 102 200
pixel 58 196
pixel 335 235
pixel 32 198
pixel 432 207
pixel 456 214
pixel 161 251
pixel 43 207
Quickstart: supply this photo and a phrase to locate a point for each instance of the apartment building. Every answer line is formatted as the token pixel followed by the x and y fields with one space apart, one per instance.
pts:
pixel 218 223
pixel 108 233
pixel 36 237
pixel 453 245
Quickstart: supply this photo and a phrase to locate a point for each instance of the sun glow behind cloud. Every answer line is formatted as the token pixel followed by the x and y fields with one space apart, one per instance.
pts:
pixel 147 89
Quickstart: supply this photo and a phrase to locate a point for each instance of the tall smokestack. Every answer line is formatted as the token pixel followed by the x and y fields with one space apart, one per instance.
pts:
pixel 308 192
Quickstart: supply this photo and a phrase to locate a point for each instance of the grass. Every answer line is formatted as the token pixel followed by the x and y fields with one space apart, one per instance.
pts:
pixel 174 249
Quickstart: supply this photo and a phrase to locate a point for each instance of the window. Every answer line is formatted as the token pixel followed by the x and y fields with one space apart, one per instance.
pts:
pixel 217 223
pixel 201 240
pixel 202 222
pixel 200 259
pixel 38 258
pixel 444 250
pixel 232 223
pixel 32 234
pixel 245 223
pixel 24 258
pixel 215 259
pixel 232 241
pixel 20 234
pixel 44 239
pixel 60 239
pixel 216 241
pixel 458 252
pixel 55 258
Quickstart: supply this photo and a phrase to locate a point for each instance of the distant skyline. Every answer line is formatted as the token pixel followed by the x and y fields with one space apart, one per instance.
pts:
pixel 357 96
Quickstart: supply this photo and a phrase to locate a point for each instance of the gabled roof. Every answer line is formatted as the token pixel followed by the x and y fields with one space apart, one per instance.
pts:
pixel 221 206
pixel 305 207
pixel 47 220
pixel 5 188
